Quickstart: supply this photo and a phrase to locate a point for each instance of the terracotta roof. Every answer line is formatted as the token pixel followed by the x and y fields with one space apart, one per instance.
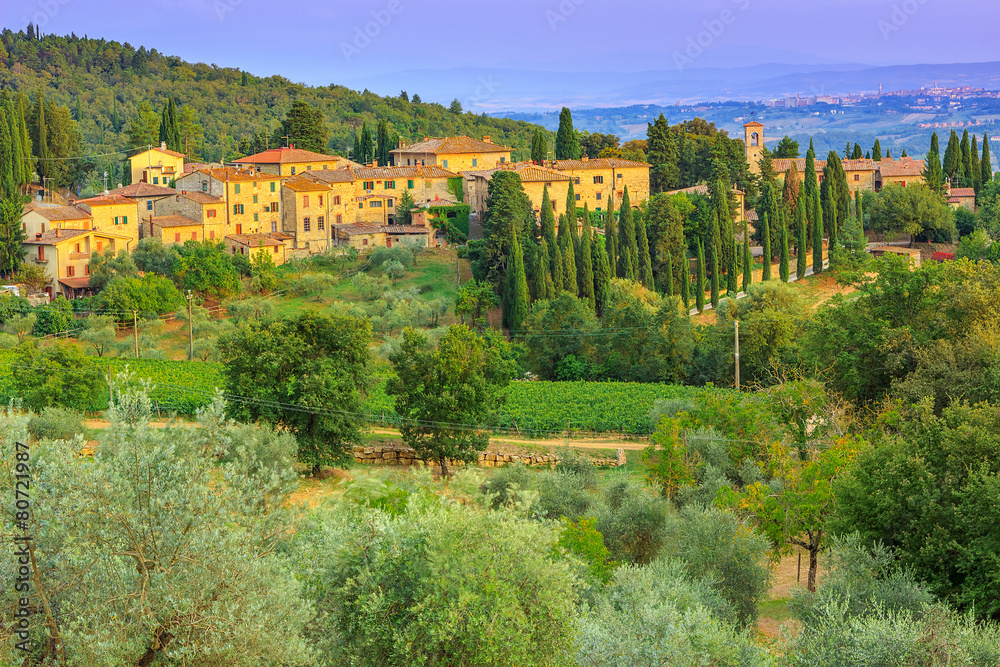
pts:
pixel 282 236
pixel 76 283
pixel 859 165
pixel 452 145
pixel 962 192
pixel 199 197
pixel 51 237
pixel 173 221
pixel 165 151
pixel 332 175
pixel 529 173
pixel 286 155
pixel 375 195
pixel 701 189
pixel 58 212
pixel 233 175
pixel 299 184
pixel 254 240
pixel 599 163
pixel 406 229
pixel 781 165
pixel 195 166
pixel 107 200
pixel 752 215
pixel 351 230
pixel 902 167
pixel 754 123
pixel 361 228
pixel 141 189
pixel 370 173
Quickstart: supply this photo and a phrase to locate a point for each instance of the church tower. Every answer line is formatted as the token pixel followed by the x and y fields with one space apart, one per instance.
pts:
pixel 754 141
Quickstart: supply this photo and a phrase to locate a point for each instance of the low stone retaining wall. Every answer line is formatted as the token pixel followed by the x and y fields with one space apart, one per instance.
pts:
pixel 401 455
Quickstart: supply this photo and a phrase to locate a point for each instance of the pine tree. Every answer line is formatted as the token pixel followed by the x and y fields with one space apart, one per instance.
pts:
pixel 699 290
pixel 669 278
pixel 877 151
pixel 803 244
pixel 586 266
pixel 766 236
pixel 783 262
pixel 602 275
pixel 567 144
pixel 986 163
pixel 628 248
pixel 611 243
pixel 569 266
pixel 976 173
pixel 686 283
pixel 543 277
pixel 714 260
pixel 817 237
pixel 645 269
pixel 518 290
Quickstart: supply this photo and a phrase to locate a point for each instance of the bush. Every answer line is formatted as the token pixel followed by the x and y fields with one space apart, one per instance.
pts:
pixel 382 255
pixel 393 269
pixel 151 293
pixel 632 523
pixel 60 374
pixel 12 306
pixel 250 309
pixel 312 284
pixel 370 287
pixel 561 495
pixel 55 423
pixel 54 317
pixel 580 465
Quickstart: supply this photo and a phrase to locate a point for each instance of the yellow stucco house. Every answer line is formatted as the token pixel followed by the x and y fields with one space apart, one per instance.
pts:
pixel 65 255
pixel 904 171
pixel 424 183
pixel 252 199
pixel 601 183
pixel 289 161
pixel 204 209
pixel 535 179
pixel 305 213
pixel 251 245
pixel 113 213
pixel 455 154
pixel 157 165
pixel 341 193
pixel 37 218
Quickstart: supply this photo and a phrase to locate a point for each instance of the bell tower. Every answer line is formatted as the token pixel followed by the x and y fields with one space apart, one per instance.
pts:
pixel 754 142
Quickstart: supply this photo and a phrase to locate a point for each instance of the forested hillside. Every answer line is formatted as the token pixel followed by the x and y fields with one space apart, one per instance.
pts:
pixel 116 92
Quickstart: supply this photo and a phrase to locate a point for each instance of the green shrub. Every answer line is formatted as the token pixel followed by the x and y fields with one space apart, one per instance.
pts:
pixel 632 522
pixel 55 423
pixel 54 317
pixel 255 308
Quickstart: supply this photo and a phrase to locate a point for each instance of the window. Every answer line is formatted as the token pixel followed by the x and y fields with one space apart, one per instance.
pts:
pixel 149 204
pixel 421 163
pixel 598 208
pixel 553 204
pixel 598 179
pixel 321 223
pixel 320 202
pixel 502 159
pixel 390 185
pixel 409 184
pixel 340 219
pixel 305 201
pixel 236 188
pixel 255 217
pixel 364 241
pixel 204 186
pixel 475 162
pixel 76 248
pixel 70 271
pixel 274 225
pixel 620 193
pixel 444 163
pixel 210 213
pixel 306 225
pixel 361 204
pixel 598 196
pixel 275 250
pixel 124 219
pixel 194 236
pixel 548 185
pixel 369 185
pixel 578 197
pixel 41 253
pixel 336 200
pixel 239 229
pixel 293 171
pixel 255 186
pixel 309 167
pixel 255 199
pixel 86 269
pixel 576 181
pixel 156 180
pixel 857 177
pixel 237 209
pixel 376 203
pixel 100 246
pixel 324 167
pixel 388 203
pixel 274 207
pixel 272 186
pixel 177 237
pixel 211 235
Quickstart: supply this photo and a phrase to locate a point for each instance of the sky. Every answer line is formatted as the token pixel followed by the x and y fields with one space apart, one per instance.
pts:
pixel 319 42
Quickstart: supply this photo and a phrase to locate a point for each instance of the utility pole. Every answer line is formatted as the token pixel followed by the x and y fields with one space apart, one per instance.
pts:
pixel 737 323
pixel 190 330
pixel 135 332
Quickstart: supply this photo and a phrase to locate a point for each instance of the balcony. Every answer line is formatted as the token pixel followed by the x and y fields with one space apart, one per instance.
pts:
pixel 40 260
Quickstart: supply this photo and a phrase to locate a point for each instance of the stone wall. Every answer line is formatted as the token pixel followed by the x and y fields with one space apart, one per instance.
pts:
pixel 401 455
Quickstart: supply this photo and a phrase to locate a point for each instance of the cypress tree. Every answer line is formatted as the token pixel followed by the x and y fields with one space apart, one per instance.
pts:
pixel 803 244
pixel 699 290
pixel 567 145
pixel 569 267
pixel 783 265
pixel 645 269
pixel 518 290
pixel 933 171
pixel 877 151
pixel 976 173
pixel 817 237
pixel 557 270
pixel 965 171
pixel 539 147
pixel 686 283
pixel 548 224
pixel 810 184
pixel 563 231
pixel 857 154
pixel 888 154
pixel 714 263
pixel 586 267
pixel 16 149
pixel 170 132
pixel 611 243
pixel 7 184
pixel 669 268
pixel 747 263
pixel 40 140
pixel 986 163
pixel 538 283
pixel 733 269
pixel 357 154
pixel 571 219
pixel 952 156
pixel 720 202
pixel 602 275
pixel 766 235
pixel 628 248
pixel 27 159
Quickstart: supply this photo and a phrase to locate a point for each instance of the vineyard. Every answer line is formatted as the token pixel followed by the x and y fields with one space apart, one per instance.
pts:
pixel 533 408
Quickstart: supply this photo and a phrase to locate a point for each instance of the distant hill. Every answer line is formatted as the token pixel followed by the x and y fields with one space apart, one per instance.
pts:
pixel 101 81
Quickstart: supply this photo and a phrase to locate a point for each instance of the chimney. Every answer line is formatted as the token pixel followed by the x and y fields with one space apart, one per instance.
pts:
pixel 374 164
pixel 38 235
pixel 400 143
pixel 487 139
pixel 290 146
pixel 426 137
pixel 163 145
pixel 585 158
pixel 58 232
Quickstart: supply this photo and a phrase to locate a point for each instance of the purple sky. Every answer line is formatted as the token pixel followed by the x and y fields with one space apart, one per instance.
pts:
pixel 317 42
